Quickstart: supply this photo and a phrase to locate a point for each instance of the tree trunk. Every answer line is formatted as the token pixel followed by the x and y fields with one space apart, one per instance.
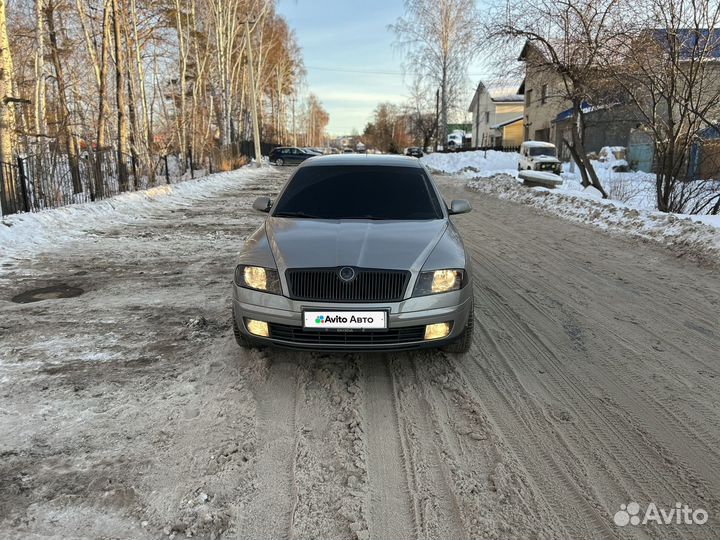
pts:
pixel 40 115
pixel 443 127
pixel 65 131
pixel 183 52
pixel 579 155
pixel 89 45
pixel 102 104
pixel 146 131
pixel 7 116
pixel 122 136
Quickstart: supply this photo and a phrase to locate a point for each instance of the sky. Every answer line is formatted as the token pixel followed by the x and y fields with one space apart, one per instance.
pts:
pixel 349 56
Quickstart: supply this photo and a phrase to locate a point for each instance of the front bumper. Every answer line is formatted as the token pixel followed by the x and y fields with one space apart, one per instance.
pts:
pixel 555 168
pixel 406 321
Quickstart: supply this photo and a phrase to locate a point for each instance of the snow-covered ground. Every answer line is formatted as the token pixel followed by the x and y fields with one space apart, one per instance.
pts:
pixel 629 210
pixel 129 412
pixel 28 232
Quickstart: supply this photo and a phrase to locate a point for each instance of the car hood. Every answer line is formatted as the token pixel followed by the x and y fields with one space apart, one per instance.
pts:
pixel 545 159
pixel 308 243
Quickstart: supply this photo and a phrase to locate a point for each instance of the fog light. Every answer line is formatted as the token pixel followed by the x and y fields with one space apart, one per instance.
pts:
pixel 437 331
pixel 257 328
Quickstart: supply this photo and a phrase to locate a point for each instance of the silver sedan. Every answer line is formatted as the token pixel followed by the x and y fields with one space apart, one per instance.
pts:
pixel 357 253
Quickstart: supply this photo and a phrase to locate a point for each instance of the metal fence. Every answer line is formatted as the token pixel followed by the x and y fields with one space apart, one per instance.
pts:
pixel 50 180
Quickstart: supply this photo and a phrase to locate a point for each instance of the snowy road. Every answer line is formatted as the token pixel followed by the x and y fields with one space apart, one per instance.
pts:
pixel 129 412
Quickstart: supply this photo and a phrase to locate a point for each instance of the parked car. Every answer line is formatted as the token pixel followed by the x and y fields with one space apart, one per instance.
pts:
pixel 414 151
pixel 348 151
pixel 357 253
pixel 539 156
pixel 289 155
pixel 316 151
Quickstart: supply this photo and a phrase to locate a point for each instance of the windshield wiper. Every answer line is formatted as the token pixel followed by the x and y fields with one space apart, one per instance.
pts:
pixel 296 214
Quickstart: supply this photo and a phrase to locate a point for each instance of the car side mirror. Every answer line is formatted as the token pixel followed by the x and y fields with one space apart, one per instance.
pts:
pixel 262 204
pixel 459 206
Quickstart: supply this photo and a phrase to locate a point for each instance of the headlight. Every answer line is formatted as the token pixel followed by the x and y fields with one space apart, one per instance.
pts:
pixel 439 281
pixel 258 278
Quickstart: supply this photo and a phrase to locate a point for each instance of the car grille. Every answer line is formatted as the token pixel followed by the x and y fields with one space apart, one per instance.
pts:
pixel 369 285
pixel 329 338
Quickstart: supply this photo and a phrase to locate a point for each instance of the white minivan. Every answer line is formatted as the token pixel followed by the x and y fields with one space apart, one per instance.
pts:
pixel 539 156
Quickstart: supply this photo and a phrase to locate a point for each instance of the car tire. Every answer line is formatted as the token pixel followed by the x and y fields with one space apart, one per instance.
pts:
pixel 279 162
pixel 464 342
pixel 240 338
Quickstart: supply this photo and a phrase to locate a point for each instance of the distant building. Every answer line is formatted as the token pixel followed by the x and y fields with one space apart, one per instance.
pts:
pixel 548 115
pixel 544 97
pixel 497 117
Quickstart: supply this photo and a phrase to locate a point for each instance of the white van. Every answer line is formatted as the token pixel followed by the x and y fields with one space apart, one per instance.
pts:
pixel 539 156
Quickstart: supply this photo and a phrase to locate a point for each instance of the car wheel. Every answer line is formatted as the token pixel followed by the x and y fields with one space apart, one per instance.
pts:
pixel 464 342
pixel 279 162
pixel 241 338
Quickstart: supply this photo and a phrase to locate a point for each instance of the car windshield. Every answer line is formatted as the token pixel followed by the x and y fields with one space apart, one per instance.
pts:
pixel 542 151
pixel 360 192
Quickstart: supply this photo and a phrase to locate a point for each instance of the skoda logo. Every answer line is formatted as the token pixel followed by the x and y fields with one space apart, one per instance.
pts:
pixel 347 273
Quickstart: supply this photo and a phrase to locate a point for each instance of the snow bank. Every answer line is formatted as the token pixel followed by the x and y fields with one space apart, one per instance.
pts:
pixel 636 189
pixel 695 236
pixel 475 163
pixel 21 233
pixel 630 209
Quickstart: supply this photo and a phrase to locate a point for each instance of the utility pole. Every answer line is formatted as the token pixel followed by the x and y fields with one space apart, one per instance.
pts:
pixel 256 127
pixel 293 122
pixel 437 116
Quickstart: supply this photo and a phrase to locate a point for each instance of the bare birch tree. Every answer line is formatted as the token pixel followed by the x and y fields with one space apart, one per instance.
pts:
pixel 7 116
pixel 441 38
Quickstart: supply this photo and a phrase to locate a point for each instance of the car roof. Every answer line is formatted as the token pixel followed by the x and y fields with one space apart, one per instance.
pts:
pixel 362 159
pixel 538 144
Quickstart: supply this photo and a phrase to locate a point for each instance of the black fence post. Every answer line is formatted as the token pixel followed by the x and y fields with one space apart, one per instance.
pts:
pixel 4 206
pixel 98 174
pixel 22 178
pixel 133 160
pixel 122 172
pixel 167 169
pixel 190 157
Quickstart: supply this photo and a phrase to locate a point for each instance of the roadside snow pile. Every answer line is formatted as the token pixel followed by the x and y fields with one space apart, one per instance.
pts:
pixel 636 189
pixel 695 236
pixel 26 232
pixel 473 163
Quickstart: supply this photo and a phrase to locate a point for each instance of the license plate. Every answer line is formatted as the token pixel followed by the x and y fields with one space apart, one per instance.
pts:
pixel 345 320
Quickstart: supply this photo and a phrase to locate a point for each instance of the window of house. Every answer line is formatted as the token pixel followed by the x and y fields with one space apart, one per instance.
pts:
pixel 487 117
pixel 528 97
pixel 543 94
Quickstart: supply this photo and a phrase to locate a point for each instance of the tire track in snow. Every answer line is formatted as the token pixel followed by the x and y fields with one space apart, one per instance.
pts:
pixel 330 470
pixel 271 511
pixel 438 508
pixel 392 509
pixel 616 423
pixel 654 435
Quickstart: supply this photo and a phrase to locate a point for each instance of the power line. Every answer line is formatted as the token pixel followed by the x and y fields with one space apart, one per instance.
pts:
pixel 376 72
